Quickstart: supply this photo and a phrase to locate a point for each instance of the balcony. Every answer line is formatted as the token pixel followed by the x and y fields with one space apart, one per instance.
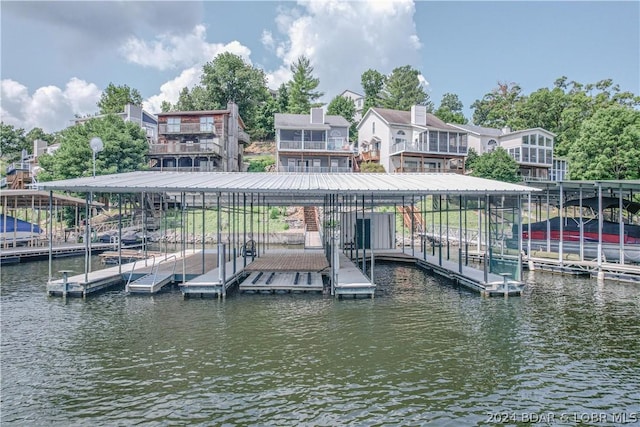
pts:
pixel 332 144
pixel 423 147
pixel 315 169
pixel 370 156
pixel 186 128
pixel 185 148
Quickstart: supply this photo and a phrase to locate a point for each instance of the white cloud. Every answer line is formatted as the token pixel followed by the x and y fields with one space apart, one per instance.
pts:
pixel 50 107
pixel 171 50
pixel 170 91
pixel 345 38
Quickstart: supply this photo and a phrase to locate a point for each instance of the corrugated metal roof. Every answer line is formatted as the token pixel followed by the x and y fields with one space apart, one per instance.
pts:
pixel 299 188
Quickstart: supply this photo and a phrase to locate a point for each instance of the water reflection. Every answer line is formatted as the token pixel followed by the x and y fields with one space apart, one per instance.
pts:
pixel 421 352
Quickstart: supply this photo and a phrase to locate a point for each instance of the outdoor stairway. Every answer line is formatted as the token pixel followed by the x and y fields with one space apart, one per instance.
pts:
pixel 410 214
pixel 310 221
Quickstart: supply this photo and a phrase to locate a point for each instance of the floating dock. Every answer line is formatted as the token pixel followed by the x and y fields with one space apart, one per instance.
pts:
pixel 491 284
pixel 32 253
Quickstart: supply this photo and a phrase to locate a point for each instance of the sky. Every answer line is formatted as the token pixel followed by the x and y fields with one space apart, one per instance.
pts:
pixel 56 57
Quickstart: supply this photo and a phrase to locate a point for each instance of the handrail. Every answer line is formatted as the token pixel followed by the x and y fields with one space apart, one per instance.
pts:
pixel 158 267
pixel 126 288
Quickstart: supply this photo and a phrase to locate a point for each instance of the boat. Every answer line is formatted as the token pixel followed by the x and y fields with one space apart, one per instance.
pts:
pixel 545 235
pixel 16 232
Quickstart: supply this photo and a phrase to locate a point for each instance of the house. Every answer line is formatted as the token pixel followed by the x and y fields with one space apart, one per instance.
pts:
pixel 358 101
pixel 136 114
pixel 313 142
pixel 411 141
pixel 531 148
pixel 210 140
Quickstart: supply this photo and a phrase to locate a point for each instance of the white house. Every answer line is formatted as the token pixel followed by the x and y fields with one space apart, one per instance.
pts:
pixel 411 141
pixel 531 148
pixel 358 101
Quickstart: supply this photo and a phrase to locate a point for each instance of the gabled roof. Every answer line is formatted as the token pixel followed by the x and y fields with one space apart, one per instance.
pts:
pixel 403 118
pixel 303 121
pixel 496 133
pixel 352 92
pixel 478 130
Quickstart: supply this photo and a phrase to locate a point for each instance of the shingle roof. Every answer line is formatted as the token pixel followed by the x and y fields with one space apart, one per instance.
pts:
pixel 480 130
pixel 404 118
pixel 303 121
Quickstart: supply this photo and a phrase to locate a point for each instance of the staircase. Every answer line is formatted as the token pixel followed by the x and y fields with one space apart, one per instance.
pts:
pixel 409 212
pixel 310 218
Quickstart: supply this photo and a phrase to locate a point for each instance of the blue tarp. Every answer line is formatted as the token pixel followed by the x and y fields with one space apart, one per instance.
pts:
pixel 14 224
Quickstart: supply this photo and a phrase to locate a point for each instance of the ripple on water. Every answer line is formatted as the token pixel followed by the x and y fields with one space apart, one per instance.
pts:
pixel 422 352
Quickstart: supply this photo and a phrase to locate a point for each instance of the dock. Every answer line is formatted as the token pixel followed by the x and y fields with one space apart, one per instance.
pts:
pixel 606 270
pixel 182 267
pixel 32 253
pixel 472 278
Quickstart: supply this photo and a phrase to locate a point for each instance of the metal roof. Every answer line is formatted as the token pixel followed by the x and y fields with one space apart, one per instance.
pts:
pixel 297 188
pixel 32 198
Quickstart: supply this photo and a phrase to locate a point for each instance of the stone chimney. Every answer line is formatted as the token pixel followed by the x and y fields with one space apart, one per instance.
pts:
pixel 317 115
pixel 506 130
pixel 419 115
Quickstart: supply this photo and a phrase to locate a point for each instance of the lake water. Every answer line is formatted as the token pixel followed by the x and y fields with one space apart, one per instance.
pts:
pixel 421 353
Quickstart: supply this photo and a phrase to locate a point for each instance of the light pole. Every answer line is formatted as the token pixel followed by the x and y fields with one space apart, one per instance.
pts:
pixel 96 146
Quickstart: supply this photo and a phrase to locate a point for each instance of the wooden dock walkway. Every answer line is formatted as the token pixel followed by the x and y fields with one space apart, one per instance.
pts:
pixel 606 271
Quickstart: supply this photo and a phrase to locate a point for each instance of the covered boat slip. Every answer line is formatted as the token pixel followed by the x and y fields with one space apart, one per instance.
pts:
pixel 356 212
pixel 585 227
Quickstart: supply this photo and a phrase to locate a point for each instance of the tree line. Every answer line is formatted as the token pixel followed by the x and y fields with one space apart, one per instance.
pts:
pixel 597 125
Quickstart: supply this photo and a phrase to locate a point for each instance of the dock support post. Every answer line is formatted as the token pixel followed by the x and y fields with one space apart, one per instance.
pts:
pixel 221 269
pixel 49 229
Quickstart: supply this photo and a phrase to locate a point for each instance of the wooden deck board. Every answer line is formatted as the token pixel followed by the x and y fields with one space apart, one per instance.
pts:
pixel 290 260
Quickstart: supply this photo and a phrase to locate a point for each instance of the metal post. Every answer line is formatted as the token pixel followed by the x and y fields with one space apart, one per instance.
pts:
pixel 87 253
pixel 203 233
pixel 460 234
pixel 600 225
pixel 119 233
pixel 50 232
pixel 621 227
pixel 560 242
pixel 581 224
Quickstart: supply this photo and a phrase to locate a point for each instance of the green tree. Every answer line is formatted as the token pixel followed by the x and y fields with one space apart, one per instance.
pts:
pixel 228 78
pixel 38 133
pixel 403 89
pixel 264 127
pixel 499 108
pixel 608 146
pixel 371 167
pixel 450 110
pixel 125 149
pixel 372 84
pixel 472 156
pixel 497 164
pixel 302 87
pixel 12 142
pixel 114 98
pixel 260 164
pixel 341 106
pixel 282 97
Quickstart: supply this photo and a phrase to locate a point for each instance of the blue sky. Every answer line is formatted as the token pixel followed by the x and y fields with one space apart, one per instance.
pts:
pixel 57 57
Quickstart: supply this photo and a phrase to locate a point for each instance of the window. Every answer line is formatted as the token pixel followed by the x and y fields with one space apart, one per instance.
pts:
pixel 491 145
pixel 525 154
pixel 173 124
pixel 442 142
pixel 463 144
pixel 373 127
pixel 453 142
pixel 206 124
pixel 533 155
pixel 525 139
pixel 433 141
